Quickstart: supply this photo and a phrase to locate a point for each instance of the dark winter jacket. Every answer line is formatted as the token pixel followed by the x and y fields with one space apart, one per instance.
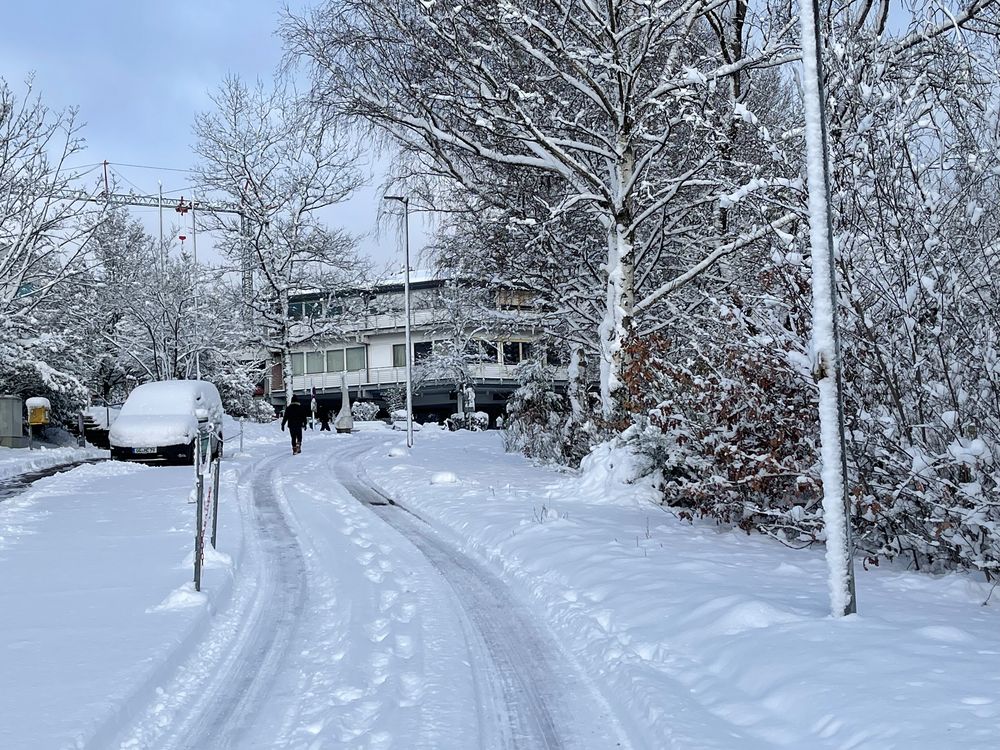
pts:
pixel 295 415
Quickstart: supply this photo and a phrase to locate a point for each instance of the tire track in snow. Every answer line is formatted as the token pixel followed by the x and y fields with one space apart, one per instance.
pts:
pixel 215 694
pixel 531 695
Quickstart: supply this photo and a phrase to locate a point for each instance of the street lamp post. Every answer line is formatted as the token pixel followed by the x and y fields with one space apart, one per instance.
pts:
pixel 406 306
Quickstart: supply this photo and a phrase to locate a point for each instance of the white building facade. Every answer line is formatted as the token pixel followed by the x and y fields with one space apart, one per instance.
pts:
pixel 368 350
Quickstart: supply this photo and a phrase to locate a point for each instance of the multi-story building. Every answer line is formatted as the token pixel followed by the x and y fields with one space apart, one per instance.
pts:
pixel 365 345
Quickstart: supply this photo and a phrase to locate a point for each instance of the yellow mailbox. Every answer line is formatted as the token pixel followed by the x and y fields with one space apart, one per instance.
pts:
pixel 38 411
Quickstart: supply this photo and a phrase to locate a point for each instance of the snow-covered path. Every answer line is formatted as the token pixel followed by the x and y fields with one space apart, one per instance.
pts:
pixel 351 628
pixel 491 604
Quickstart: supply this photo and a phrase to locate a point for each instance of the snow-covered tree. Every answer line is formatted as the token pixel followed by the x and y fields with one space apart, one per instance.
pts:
pixel 45 227
pixel 623 102
pixel 465 312
pixel 281 162
pixel 535 413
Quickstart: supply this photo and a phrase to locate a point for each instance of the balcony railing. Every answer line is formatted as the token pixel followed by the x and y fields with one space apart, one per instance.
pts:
pixel 386 377
pixel 371 323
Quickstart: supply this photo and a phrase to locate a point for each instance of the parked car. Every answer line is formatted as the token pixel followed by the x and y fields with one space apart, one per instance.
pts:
pixel 159 421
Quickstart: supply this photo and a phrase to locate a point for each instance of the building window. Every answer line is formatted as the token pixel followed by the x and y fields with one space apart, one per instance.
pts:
pixel 514 299
pixel 355 358
pixel 298 363
pixel 335 360
pixel 490 353
pixel 421 350
pixel 515 352
pixel 304 310
pixel 314 363
pixel 399 355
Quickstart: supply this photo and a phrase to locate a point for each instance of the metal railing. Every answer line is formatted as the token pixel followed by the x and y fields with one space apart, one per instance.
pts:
pixel 379 377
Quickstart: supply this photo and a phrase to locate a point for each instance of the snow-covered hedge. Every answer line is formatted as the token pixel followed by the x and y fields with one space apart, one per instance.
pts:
pixel 364 411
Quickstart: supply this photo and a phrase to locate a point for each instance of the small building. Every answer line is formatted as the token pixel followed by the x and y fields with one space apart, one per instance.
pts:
pixel 359 335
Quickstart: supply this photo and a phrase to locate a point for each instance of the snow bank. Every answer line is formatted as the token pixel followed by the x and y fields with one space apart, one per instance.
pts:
pixel 94 600
pixel 401 425
pixel 612 473
pixel 14 461
pixel 705 638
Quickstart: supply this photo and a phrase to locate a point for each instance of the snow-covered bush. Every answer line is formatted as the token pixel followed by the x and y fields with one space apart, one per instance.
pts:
pixel 475 421
pixel 364 411
pixel 236 384
pixel 395 399
pixel 261 411
pixel 535 414
pixel 732 432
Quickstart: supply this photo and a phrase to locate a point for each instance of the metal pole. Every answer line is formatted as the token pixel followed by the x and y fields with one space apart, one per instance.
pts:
pixel 406 305
pixel 829 361
pixel 194 252
pixel 199 533
pixel 242 420
pixel 163 248
pixel 215 497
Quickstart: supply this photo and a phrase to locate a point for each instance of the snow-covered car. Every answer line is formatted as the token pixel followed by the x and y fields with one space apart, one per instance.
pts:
pixel 159 421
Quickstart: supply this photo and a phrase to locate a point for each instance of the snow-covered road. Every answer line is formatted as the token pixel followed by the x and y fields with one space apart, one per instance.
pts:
pixel 489 604
pixel 354 624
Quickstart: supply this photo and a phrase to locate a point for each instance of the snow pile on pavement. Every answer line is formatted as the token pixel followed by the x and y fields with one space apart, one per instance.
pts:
pixel 702 637
pixel 615 474
pixel 444 477
pixel 15 461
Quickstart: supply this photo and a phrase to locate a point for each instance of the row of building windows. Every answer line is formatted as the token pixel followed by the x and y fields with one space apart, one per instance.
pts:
pixel 478 350
pixel 392 302
pixel 350 359
pixel 354 358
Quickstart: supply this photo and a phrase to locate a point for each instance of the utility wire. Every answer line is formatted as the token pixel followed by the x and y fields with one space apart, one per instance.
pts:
pixel 148 166
pixel 118 174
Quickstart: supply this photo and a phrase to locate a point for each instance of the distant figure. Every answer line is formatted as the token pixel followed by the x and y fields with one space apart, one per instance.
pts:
pixel 295 417
pixel 324 418
pixel 312 413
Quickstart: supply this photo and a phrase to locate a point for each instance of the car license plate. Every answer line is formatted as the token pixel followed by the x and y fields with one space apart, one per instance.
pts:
pixel 144 450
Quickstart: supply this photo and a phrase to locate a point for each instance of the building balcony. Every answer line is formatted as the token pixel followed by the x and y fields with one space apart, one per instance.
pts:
pixel 375 378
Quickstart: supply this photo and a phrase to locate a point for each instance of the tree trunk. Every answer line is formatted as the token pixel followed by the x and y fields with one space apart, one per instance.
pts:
pixel 286 349
pixel 576 388
pixel 616 328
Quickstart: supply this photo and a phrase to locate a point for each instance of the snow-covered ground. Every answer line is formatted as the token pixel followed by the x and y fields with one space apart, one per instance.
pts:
pixel 709 638
pixel 512 606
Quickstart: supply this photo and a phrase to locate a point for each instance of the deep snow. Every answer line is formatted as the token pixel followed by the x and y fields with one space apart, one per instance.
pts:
pixel 696 637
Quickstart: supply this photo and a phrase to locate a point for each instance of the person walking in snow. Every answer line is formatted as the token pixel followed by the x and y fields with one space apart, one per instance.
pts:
pixel 324 418
pixel 295 417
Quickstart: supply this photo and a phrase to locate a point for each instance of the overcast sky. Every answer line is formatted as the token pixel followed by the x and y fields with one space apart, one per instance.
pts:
pixel 139 71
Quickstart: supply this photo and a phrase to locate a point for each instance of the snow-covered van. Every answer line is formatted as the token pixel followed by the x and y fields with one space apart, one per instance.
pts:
pixel 159 421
